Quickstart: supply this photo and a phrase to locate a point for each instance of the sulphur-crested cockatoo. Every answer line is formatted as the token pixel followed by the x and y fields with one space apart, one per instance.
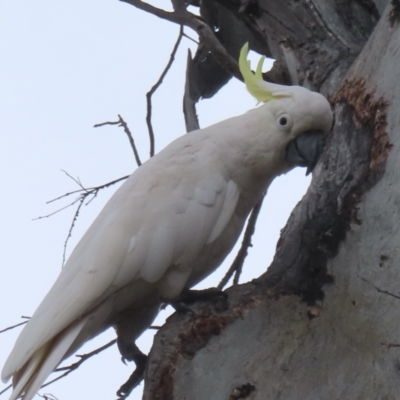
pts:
pixel 170 225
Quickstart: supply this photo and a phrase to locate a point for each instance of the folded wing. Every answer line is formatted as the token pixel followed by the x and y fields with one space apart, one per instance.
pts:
pixel 162 216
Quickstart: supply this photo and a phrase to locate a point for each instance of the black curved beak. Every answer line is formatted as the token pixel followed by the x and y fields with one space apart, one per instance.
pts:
pixel 304 151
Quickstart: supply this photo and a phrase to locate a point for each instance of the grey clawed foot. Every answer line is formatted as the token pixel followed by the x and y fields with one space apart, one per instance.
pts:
pixel 131 352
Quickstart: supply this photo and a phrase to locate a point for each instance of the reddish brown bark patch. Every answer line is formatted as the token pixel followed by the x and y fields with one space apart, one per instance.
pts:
pixel 202 329
pixel 165 388
pixel 368 111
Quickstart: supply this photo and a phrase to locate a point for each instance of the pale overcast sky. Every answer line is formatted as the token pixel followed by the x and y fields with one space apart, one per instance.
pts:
pixel 65 66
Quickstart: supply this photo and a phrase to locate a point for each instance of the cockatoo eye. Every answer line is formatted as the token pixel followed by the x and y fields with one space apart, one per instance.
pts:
pixel 284 121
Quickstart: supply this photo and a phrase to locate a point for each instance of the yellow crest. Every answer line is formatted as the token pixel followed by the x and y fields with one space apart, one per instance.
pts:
pixel 260 89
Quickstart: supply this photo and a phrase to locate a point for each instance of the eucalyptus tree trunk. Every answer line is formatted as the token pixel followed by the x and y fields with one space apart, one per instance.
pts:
pixel 323 321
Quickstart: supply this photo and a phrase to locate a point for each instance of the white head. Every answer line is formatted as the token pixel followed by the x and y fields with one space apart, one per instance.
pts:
pixel 301 117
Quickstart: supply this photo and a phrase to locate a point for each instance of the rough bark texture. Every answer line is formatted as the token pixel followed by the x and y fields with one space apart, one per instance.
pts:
pixel 313 41
pixel 322 322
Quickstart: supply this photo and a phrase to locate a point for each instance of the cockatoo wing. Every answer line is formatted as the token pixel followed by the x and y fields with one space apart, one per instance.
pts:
pixel 162 216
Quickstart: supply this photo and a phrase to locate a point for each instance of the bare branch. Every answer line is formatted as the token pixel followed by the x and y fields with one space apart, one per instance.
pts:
pixel 190 38
pixel 83 194
pixel 106 123
pixel 82 358
pixel 121 122
pixel 74 219
pixel 89 191
pixel 55 212
pixel 47 396
pixel 178 17
pixel 189 104
pixel 5 389
pixel 68 369
pixel 15 326
pixel 76 180
pixel 207 36
pixel 156 86
pixel 131 141
pixel 237 264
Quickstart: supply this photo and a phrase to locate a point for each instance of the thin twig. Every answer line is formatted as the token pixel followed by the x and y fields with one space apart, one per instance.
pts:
pixel 89 191
pixel 131 141
pixel 58 210
pixel 5 389
pixel 68 369
pixel 106 123
pixel 156 86
pixel 47 396
pixel 237 264
pixel 206 34
pixel 15 326
pixel 74 219
pixel 83 357
pixel 190 38
pixel 76 180
pixel 83 194
pixel 121 122
pixel 380 290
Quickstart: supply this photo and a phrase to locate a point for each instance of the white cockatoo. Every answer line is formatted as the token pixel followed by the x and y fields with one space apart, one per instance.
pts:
pixel 170 225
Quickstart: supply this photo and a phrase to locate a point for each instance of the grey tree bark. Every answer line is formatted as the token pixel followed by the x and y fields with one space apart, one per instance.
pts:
pixel 323 321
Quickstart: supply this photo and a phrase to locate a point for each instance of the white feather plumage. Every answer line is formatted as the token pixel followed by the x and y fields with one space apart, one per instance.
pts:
pixel 170 225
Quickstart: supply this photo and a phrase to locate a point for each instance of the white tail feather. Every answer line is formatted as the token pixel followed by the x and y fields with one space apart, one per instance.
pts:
pixel 43 362
pixel 19 383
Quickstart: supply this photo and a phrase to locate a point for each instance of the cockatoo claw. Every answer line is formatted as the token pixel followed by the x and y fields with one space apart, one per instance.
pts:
pixel 137 376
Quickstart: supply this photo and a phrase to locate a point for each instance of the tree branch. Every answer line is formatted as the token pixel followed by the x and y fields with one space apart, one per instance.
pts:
pixel 15 326
pixel 156 86
pixel 121 122
pixel 74 219
pixel 84 193
pixel 82 358
pixel 48 396
pixel 207 36
pixel 68 369
pixel 5 389
pixel 237 264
